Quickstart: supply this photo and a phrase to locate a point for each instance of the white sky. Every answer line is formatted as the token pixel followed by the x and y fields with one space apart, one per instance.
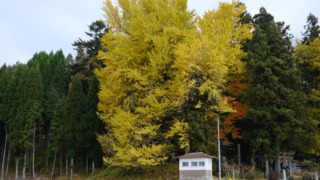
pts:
pixel 27 27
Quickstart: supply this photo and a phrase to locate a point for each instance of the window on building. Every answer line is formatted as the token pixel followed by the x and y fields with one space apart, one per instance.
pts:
pixel 194 164
pixel 185 164
pixel 201 163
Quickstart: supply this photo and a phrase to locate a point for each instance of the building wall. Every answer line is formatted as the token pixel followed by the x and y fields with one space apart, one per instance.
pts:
pixel 207 165
pixel 195 175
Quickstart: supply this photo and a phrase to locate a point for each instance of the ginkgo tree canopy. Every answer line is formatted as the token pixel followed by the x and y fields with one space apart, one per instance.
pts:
pixel 158 54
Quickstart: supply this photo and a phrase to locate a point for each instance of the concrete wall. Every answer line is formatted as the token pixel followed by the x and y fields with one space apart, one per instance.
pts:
pixel 195 175
pixel 195 172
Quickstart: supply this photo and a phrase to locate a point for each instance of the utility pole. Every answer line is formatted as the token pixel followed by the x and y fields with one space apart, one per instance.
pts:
pixel 219 153
pixel 239 157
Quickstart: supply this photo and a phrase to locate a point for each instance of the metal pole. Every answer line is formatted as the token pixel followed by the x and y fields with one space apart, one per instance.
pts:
pixel 219 156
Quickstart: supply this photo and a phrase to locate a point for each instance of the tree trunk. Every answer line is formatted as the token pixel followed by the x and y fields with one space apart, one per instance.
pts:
pixel 252 159
pixel 24 166
pixel 27 161
pixel 92 166
pixel 1 153
pixel 4 157
pixel 239 156
pixel 81 162
pixel 8 161
pixel 278 166
pixel 71 168
pixel 277 163
pixel 60 163
pixel 54 163
pixel 87 166
pixel 17 168
pixel 67 166
pixel 34 150
pixel 47 158
pixel 267 168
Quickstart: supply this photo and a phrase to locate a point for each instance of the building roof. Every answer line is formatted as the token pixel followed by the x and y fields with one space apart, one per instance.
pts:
pixel 196 155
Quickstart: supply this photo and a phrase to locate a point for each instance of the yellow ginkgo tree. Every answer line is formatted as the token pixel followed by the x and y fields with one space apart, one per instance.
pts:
pixel 308 58
pixel 158 54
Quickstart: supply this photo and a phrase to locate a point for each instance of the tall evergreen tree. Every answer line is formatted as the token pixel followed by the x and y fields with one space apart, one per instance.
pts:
pixel 4 79
pixel 71 124
pixel 87 51
pixel 42 59
pixel 85 62
pixel 260 97
pixel 56 104
pixel 11 101
pixel 13 97
pixel 312 29
pixel 55 78
pixel 26 110
pixel 35 89
pixel 307 53
pixel 60 76
pixel 91 124
pixel 276 101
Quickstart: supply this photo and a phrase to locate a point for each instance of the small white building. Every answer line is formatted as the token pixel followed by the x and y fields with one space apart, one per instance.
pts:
pixel 195 166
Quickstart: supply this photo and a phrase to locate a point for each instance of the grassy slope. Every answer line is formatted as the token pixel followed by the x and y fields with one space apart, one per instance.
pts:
pixel 164 171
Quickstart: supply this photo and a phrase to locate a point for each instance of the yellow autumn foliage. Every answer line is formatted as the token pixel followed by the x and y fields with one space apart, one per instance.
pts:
pixel 309 57
pixel 158 52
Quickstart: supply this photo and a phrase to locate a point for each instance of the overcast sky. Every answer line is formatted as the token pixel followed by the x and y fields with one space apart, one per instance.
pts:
pixel 27 27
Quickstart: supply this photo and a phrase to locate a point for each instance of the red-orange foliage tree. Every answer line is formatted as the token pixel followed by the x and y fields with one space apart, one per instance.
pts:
pixel 228 127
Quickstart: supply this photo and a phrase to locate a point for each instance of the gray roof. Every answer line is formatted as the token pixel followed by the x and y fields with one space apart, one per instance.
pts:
pixel 196 155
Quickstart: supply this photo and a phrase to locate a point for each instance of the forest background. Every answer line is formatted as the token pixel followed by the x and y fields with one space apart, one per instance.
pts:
pixel 151 80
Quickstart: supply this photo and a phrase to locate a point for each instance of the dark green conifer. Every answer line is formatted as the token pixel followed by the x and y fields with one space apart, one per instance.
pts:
pixel 276 118
pixel 312 29
pixel 72 115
